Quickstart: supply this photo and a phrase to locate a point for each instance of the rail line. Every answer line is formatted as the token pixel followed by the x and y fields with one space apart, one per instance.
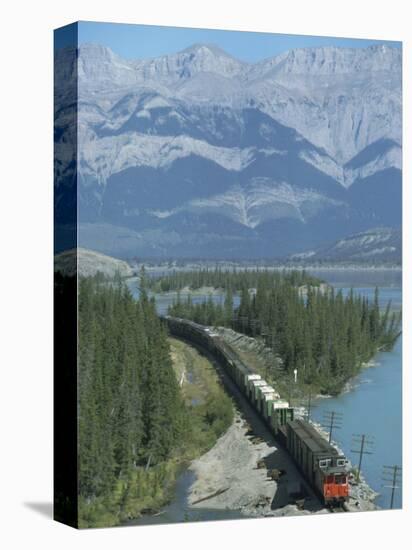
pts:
pixel 322 466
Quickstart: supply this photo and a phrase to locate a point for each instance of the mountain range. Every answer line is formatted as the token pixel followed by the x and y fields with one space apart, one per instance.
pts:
pixel 380 245
pixel 199 154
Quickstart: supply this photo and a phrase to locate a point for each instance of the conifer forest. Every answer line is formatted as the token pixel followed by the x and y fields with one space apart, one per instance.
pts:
pixel 135 428
pixel 310 326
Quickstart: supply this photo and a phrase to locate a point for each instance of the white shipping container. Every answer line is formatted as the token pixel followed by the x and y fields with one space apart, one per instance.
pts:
pixel 257 383
pixel 281 404
pixel 253 377
pixel 269 389
pixel 264 389
pixel 269 396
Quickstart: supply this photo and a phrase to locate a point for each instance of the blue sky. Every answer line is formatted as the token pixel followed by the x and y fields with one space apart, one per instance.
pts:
pixel 142 41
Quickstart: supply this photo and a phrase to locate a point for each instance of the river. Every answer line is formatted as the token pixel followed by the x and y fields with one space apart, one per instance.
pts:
pixel 373 406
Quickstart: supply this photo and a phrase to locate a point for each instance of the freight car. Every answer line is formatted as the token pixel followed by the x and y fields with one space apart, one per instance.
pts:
pixel 274 411
pixel 320 463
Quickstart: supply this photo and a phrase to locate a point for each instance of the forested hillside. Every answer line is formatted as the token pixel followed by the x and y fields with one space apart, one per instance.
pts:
pixel 321 333
pixel 135 429
pixel 130 410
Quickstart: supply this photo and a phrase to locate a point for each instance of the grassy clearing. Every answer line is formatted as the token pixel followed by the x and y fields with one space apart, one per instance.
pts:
pixel 210 408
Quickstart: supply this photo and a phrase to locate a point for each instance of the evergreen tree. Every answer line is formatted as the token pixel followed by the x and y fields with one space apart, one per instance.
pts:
pixel 130 408
pixel 322 332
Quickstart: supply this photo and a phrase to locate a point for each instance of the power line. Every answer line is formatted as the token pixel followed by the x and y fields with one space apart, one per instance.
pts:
pixel 333 420
pixel 394 473
pixel 364 442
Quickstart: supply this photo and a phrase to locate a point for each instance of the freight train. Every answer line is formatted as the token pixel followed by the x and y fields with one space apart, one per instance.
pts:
pixel 322 466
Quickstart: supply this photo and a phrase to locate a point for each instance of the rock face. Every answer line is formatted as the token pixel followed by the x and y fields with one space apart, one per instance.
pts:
pixel 89 263
pixel 198 154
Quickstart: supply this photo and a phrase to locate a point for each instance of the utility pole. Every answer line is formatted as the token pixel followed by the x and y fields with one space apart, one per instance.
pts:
pixel 333 420
pixel 363 441
pixel 394 473
pixel 309 404
pixel 291 386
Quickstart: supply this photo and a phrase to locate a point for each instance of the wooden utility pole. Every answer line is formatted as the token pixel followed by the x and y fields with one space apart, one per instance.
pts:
pixel 333 420
pixel 363 441
pixel 394 473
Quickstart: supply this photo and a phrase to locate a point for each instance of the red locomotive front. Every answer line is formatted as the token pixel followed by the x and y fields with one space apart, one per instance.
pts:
pixel 335 488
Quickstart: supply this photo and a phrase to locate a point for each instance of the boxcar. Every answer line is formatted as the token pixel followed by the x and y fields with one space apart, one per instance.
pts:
pixel 275 412
pixel 321 464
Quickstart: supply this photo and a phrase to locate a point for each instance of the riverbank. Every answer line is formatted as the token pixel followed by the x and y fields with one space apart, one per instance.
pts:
pixel 147 490
pixel 165 268
pixel 362 496
pixel 228 476
pixel 235 472
pixel 245 473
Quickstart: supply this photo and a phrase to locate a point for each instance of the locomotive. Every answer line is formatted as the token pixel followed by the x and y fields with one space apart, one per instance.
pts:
pixel 322 466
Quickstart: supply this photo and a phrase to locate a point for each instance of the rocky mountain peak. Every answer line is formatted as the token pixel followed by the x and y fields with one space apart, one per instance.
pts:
pixel 198 58
pixel 178 150
pixel 333 61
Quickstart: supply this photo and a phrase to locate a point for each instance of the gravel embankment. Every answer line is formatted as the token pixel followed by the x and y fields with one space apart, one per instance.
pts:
pixel 228 476
pixel 362 496
pixel 231 466
pixel 231 470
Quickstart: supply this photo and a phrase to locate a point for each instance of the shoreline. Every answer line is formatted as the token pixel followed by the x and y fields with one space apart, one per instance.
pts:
pixel 233 475
pixel 361 494
pixel 250 266
pixel 228 477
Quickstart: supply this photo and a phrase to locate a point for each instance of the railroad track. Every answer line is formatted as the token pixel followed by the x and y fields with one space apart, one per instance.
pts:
pixel 339 510
pixel 275 413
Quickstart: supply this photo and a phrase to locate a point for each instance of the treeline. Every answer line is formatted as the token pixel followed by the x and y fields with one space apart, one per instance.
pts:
pixel 322 334
pixel 227 279
pixel 135 429
pixel 131 413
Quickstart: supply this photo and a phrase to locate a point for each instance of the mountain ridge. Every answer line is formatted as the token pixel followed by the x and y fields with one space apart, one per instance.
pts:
pixel 380 244
pixel 307 142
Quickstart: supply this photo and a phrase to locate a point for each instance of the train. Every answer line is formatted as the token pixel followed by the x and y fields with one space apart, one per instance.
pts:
pixel 323 467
